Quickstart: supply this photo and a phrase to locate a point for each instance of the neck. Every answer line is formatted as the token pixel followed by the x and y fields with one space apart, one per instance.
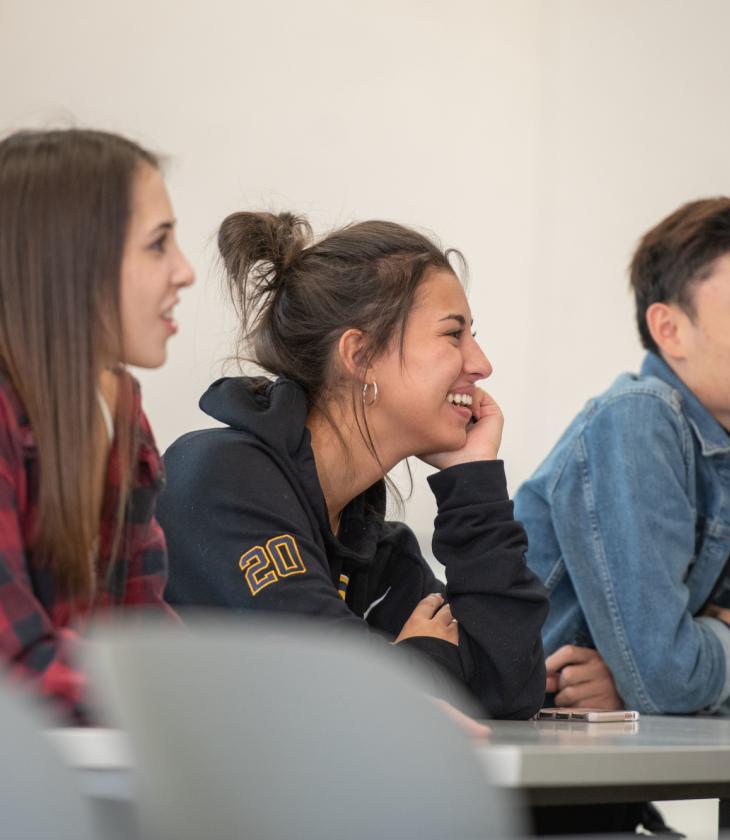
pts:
pixel 108 385
pixel 345 465
pixel 702 389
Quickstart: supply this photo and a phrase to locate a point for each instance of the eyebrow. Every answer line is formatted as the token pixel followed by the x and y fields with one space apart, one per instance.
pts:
pixel 454 317
pixel 167 225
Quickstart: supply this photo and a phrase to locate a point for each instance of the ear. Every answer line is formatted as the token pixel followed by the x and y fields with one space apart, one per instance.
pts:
pixel 351 349
pixel 668 324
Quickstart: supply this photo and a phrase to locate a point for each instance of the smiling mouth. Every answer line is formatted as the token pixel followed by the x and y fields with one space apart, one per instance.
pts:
pixel 459 399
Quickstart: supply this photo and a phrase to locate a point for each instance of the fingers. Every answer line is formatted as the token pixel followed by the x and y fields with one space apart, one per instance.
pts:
pixel 569 655
pixel 443 616
pixel 579 677
pixel 551 684
pixel 590 696
pixel 472 727
pixel 723 613
pixel 451 633
pixel 483 403
pixel 571 676
pixel 570 696
pixel 449 624
pixel 478 398
pixel 575 695
pixel 578 674
pixel 427 606
pixel 431 617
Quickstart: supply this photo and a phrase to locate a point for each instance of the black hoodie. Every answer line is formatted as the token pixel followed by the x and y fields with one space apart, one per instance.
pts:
pixel 247 528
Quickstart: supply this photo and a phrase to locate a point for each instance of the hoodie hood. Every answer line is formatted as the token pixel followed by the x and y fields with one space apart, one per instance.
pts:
pixel 274 412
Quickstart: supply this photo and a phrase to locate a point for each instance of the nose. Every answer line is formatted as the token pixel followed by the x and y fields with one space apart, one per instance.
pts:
pixel 183 274
pixel 476 365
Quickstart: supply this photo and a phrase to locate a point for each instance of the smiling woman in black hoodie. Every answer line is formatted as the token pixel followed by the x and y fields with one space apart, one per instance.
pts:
pixel 368 333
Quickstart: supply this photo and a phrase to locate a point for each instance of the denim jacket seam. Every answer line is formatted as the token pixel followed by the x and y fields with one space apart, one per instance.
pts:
pixel 560 468
pixel 602 565
pixel 666 395
pixel 555 574
pixel 669 396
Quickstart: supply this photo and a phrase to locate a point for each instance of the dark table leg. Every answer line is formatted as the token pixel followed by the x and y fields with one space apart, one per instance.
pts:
pixel 724 816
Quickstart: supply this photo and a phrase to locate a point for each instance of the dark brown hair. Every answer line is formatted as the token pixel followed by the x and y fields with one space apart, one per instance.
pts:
pixel 64 209
pixel 675 255
pixel 297 296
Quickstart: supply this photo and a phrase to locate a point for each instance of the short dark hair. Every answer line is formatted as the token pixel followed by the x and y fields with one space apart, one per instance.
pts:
pixel 675 255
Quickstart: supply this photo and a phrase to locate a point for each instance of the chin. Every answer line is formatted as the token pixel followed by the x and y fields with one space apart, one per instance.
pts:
pixel 450 444
pixel 148 360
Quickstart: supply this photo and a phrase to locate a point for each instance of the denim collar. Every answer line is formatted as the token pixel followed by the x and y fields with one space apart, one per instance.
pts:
pixel 714 440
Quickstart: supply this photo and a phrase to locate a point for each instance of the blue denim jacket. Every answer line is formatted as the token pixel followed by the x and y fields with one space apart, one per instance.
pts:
pixel 628 522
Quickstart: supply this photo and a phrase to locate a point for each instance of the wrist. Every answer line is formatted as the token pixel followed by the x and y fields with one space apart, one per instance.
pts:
pixel 469 458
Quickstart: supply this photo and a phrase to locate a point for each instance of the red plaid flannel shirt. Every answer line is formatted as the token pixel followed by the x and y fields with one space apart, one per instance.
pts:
pixel 39 629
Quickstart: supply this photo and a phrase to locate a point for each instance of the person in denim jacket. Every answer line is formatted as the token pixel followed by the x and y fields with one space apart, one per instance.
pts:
pixel 628 518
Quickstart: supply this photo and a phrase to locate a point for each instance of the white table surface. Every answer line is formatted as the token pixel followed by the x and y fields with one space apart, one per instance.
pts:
pixel 656 757
pixel 677 757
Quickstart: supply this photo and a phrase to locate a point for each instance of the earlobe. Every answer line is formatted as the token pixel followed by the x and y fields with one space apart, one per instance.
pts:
pixel 665 322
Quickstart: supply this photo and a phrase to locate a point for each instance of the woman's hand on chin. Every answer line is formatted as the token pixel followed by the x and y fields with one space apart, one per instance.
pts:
pixel 483 435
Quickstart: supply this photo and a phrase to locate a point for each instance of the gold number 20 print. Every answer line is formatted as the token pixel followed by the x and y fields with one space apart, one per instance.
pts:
pixel 264 565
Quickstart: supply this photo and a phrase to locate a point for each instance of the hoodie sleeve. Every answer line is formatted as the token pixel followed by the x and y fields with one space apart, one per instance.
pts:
pixel 499 604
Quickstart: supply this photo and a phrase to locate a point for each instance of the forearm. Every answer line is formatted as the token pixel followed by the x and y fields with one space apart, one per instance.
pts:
pixel 627 529
pixel 499 604
pixel 48 667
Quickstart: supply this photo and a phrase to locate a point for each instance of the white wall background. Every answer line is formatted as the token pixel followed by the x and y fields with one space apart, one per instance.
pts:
pixel 541 137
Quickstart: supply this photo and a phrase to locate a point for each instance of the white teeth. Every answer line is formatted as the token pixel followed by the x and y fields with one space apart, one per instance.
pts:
pixel 459 399
pixel 167 314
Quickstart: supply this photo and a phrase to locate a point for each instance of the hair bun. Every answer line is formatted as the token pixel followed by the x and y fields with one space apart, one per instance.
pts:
pixel 276 240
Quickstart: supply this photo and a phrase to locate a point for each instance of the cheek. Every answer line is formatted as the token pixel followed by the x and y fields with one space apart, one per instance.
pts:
pixel 141 297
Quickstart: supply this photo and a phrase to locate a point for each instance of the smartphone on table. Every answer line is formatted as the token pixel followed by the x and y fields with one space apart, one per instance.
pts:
pixel 588 715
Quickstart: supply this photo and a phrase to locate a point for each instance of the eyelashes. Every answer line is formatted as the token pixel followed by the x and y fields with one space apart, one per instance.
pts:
pixel 457 334
pixel 159 245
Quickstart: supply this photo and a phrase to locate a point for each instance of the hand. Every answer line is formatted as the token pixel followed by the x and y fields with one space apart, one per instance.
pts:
pixel 722 613
pixel 483 437
pixel 431 617
pixel 579 677
pixel 467 724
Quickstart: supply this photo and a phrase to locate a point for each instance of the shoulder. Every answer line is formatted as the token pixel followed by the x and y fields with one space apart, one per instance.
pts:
pixel 635 416
pixel 637 410
pixel 216 451
pixel 224 465
pixel 639 393
pixel 632 402
pixel 149 470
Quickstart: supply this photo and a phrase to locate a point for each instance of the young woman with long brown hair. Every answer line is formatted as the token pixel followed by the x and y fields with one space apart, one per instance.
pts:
pixel 369 333
pixel 89 274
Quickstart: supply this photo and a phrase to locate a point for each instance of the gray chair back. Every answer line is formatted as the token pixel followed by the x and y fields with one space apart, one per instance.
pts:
pixel 39 796
pixel 241 730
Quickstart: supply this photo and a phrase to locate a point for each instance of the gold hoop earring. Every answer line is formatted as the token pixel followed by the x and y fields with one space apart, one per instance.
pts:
pixel 365 401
